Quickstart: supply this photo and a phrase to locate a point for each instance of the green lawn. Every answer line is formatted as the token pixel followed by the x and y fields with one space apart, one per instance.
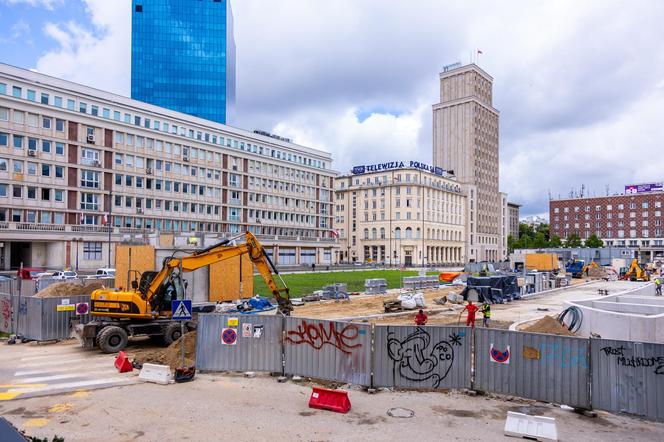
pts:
pixel 301 284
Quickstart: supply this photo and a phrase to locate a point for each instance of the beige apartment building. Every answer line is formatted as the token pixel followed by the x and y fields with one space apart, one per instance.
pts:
pixel 400 213
pixel 465 140
pixel 82 169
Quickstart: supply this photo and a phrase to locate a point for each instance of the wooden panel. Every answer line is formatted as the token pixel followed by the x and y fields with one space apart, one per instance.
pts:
pixel 72 131
pixel 224 161
pixel 72 218
pixel 108 159
pixel 71 201
pixel 166 240
pixel 108 138
pixel 72 154
pixel 108 180
pixel 72 177
pixel 142 259
pixel 224 279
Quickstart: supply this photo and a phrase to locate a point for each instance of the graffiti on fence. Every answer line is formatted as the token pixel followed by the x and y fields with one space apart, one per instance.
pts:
pixel 416 358
pixel 563 355
pixel 320 334
pixel 6 312
pixel 634 361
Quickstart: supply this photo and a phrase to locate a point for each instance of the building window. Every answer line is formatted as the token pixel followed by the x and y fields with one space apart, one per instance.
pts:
pixel 89 201
pixel 92 250
pixel 90 179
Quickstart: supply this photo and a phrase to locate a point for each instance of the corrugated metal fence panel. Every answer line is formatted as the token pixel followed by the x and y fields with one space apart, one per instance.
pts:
pixel 336 351
pixel 258 346
pixel 7 286
pixel 5 312
pixel 57 324
pixel 542 367
pixel 628 377
pixel 422 357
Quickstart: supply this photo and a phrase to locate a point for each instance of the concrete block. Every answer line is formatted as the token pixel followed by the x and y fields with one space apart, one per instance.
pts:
pixel 158 374
pixel 531 427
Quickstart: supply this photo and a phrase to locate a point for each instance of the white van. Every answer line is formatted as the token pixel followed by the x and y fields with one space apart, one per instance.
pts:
pixel 103 273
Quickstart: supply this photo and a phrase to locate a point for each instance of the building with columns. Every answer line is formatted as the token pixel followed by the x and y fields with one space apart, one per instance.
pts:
pixel 400 213
pixel 82 170
pixel 465 140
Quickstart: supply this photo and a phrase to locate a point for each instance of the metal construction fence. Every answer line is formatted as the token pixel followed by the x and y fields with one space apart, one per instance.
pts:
pixel 335 351
pixel 628 377
pixel 254 343
pixel 536 366
pixel 422 357
pixel 610 375
pixel 41 319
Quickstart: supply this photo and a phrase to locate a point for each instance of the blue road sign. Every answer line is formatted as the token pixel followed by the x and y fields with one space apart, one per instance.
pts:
pixel 181 309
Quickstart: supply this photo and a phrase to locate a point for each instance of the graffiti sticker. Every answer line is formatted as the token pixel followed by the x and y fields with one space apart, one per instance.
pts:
pixel 500 357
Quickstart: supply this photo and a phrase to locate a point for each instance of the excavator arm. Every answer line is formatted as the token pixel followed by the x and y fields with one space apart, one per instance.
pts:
pixel 221 252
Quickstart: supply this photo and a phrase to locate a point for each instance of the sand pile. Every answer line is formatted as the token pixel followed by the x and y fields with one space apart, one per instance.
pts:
pixel 68 289
pixel 595 272
pixel 550 326
pixel 170 355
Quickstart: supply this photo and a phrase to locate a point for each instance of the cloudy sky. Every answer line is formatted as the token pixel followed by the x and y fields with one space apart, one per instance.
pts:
pixel 580 85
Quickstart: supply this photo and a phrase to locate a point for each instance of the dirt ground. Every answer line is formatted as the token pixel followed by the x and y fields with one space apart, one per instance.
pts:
pixel 218 407
pixel 362 305
pixel 502 315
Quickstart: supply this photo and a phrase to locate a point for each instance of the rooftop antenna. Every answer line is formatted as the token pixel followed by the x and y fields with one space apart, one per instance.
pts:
pixel 583 189
pixel 607 190
pixel 549 194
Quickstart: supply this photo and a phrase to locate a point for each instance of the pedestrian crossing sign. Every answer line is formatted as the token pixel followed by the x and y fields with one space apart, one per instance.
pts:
pixel 181 309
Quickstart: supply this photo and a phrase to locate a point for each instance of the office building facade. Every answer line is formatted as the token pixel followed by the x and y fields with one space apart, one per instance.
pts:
pixel 400 215
pixel 629 220
pixel 513 210
pixel 465 140
pixel 76 162
pixel 183 56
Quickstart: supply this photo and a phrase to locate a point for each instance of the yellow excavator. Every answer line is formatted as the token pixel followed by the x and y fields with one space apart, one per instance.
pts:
pixel 145 310
pixel 635 272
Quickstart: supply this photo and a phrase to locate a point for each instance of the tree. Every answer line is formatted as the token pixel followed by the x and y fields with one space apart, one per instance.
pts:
pixel 573 241
pixel 555 241
pixel 540 242
pixel 594 241
pixel 511 243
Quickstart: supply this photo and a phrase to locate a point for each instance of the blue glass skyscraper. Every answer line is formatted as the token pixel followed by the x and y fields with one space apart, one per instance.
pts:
pixel 183 56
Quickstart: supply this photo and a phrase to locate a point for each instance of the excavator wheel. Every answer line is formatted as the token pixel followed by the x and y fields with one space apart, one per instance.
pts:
pixel 172 333
pixel 112 339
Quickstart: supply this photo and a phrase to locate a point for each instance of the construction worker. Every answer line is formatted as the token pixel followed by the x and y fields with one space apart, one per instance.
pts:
pixel 472 309
pixel 421 318
pixel 658 286
pixel 486 314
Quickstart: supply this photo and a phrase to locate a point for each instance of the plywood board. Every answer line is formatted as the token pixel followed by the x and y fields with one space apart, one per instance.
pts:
pixel 142 259
pixel 225 279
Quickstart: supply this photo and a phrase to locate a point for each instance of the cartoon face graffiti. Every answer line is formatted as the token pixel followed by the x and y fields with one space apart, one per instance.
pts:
pixel 416 359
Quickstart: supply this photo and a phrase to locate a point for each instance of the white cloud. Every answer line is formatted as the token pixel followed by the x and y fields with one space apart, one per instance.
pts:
pixel 579 85
pixel 48 4
pixel 95 54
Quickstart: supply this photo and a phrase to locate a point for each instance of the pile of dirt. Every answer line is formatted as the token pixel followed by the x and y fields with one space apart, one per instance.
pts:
pixel 595 272
pixel 548 325
pixel 170 355
pixel 68 289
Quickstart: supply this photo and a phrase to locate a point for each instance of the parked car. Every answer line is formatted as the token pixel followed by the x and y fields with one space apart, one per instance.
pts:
pixel 5 278
pixel 59 274
pixel 29 272
pixel 103 273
